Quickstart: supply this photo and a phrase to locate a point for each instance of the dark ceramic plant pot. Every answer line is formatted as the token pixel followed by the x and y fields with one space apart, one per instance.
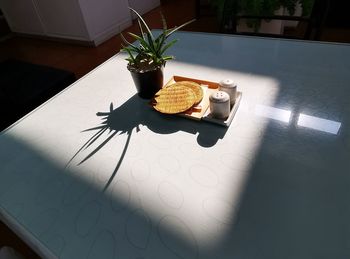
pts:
pixel 148 83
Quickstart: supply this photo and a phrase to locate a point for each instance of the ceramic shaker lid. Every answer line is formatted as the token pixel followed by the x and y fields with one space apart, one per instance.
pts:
pixel 219 97
pixel 227 83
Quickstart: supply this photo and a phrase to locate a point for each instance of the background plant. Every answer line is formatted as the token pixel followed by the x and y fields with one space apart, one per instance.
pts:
pixel 150 50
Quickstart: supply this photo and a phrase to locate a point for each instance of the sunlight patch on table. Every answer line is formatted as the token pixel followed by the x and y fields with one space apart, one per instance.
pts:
pixel 207 190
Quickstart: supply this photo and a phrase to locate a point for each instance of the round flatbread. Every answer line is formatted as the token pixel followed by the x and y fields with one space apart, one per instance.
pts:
pixel 174 99
pixel 197 89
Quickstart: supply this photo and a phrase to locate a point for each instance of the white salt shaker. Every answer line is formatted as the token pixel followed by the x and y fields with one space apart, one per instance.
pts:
pixel 219 104
pixel 228 86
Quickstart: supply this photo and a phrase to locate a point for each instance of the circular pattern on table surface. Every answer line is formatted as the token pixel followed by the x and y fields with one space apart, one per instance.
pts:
pixel 51 191
pixel 160 142
pixel 189 149
pixel 170 195
pixel 138 229
pixel 169 163
pixel 120 196
pixel 177 237
pixel 174 99
pixel 77 188
pixel 19 193
pixel 103 246
pixel 203 176
pixel 87 218
pixel 42 221
pixel 140 170
pixel 133 149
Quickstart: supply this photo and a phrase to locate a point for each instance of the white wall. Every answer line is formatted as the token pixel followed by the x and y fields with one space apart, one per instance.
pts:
pixel 22 16
pixel 62 19
pixel 105 18
pixel 85 20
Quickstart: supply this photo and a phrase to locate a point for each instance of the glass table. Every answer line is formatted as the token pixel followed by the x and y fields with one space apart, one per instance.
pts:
pixel 96 173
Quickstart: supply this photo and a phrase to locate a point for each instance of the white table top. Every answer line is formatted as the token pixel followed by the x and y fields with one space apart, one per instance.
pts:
pixel 272 185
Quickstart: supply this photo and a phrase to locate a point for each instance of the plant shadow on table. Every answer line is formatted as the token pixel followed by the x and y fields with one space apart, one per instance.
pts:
pixel 137 112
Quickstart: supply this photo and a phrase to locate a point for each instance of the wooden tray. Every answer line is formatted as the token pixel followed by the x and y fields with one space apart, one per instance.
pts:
pixel 204 112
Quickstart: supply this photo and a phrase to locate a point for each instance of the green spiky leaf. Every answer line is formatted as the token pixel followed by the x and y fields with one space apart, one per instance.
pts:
pixel 168 58
pixel 143 22
pixel 179 27
pixel 149 50
pixel 143 43
pixel 141 30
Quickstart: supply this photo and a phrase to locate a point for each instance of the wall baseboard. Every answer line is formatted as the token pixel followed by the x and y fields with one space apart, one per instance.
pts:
pixel 57 39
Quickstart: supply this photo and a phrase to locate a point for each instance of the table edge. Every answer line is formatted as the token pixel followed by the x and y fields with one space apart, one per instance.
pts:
pixel 26 236
pixel 262 38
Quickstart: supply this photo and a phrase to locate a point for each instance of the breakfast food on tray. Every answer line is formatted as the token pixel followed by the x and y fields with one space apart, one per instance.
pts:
pixel 174 99
pixel 197 89
pixel 178 97
pixel 190 98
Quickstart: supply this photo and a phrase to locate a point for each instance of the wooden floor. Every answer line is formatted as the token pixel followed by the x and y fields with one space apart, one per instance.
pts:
pixel 81 60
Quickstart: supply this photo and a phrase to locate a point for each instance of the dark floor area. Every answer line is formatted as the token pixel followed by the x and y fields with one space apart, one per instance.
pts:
pixel 24 86
pixel 8 238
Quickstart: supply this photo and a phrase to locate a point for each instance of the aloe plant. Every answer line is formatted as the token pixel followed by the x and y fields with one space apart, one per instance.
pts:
pixel 150 51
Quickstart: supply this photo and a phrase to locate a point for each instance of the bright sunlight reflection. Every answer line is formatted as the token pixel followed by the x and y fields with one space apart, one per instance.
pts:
pixel 320 124
pixel 273 113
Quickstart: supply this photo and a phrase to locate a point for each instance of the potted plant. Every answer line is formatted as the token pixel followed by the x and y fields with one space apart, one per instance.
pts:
pixel 147 58
pixel 258 8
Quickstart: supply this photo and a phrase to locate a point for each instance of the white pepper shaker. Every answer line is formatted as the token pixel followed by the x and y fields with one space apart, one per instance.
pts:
pixel 228 86
pixel 219 104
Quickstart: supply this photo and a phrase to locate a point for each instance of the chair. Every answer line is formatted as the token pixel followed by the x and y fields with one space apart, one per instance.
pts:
pixel 203 9
pixel 312 24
